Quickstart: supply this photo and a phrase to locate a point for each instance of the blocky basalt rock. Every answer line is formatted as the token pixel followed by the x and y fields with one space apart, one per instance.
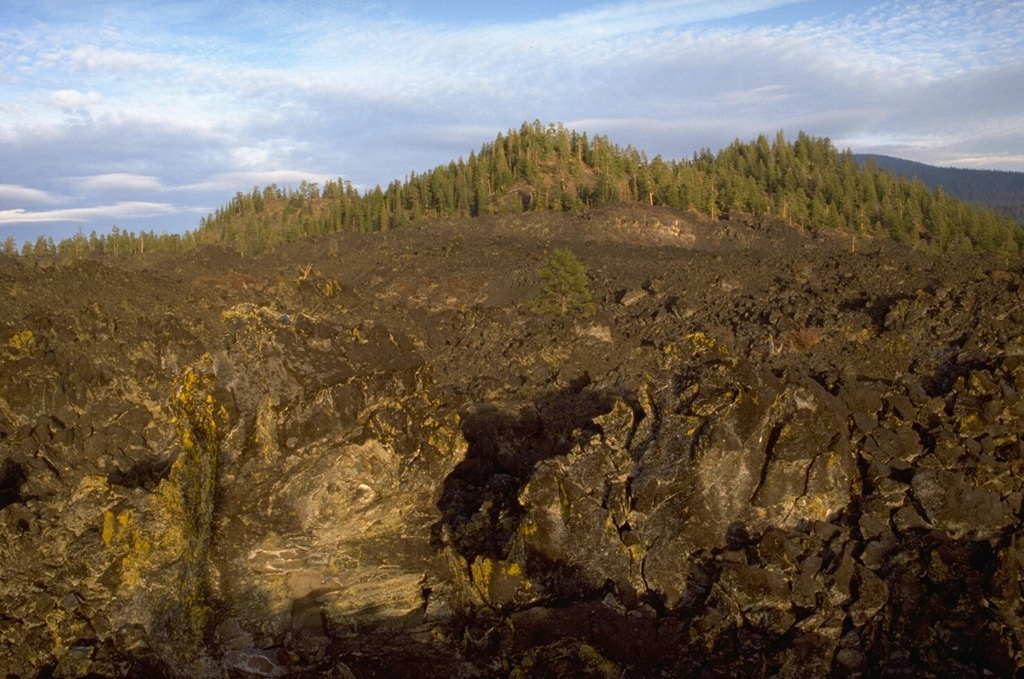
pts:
pixel 763 456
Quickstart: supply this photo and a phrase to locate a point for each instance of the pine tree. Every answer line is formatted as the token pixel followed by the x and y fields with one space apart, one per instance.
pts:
pixel 564 288
pixel 502 172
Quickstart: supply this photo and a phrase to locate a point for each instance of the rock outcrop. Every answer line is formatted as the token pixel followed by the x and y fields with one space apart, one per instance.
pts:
pixel 323 453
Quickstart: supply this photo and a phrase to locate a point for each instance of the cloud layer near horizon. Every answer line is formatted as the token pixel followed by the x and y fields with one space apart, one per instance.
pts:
pixel 151 119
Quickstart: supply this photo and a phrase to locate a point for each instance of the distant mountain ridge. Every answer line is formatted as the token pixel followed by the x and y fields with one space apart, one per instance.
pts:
pixel 1000 190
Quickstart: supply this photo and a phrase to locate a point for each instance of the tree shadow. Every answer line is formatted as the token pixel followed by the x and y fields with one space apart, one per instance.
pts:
pixel 479 502
pixel 12 477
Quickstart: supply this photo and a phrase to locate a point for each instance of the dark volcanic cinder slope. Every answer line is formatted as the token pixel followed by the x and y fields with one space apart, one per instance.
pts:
pixel 766 454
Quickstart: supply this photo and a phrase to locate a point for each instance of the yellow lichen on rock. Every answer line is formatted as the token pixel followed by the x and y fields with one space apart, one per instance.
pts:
pixel 693 345
pixel 162 543
pixel 20 343
pixel 499 582
pixel 187 498
pixel 108 527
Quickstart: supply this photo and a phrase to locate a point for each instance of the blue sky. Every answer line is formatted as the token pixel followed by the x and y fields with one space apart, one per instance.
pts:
pixel 150 115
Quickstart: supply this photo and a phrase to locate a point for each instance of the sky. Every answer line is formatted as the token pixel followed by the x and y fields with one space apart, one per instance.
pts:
pixel 150 115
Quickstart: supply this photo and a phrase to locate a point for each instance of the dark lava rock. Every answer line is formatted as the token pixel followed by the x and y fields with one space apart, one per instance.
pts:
pixel 364 456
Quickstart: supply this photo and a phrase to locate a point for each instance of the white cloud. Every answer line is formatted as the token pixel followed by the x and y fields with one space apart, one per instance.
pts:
pixel 613 20
pixel 996 160
pixel 14 193
pixel 124 210
pixel 119 181
pixel 754 96
pixel 243 181
pixel 90 58
pixel 73 99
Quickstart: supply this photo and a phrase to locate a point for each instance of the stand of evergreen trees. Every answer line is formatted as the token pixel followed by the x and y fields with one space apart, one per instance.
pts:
pixel 806 181
pixel 1000 190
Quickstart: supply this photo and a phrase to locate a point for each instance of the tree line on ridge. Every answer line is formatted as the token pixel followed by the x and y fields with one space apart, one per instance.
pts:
pixel 806 181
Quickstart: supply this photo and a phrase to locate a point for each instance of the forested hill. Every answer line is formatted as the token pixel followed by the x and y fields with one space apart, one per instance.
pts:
pixel 806 181
pixel 1000 190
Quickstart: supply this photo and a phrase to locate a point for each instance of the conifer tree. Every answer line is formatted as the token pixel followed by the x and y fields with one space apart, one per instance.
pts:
pixel 564 288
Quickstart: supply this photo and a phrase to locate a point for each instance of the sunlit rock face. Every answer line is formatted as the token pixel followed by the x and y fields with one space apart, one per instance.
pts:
pixel 292 501
pixel 329 483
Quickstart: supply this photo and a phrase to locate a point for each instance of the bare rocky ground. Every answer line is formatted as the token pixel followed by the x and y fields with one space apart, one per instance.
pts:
pixel 767 454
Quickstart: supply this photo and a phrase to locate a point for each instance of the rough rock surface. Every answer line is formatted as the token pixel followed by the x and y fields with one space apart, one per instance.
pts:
pixel 765 455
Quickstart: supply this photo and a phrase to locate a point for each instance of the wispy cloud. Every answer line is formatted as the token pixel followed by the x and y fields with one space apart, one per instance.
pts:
pixel 72 99
pixel 93 59
pixel 119 181
pixel 994 160
pixel 125 210
pixel 244 181
pixel 13 193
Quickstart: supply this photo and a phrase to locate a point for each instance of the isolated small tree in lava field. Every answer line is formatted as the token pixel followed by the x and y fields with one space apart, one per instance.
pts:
pixel 564 288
